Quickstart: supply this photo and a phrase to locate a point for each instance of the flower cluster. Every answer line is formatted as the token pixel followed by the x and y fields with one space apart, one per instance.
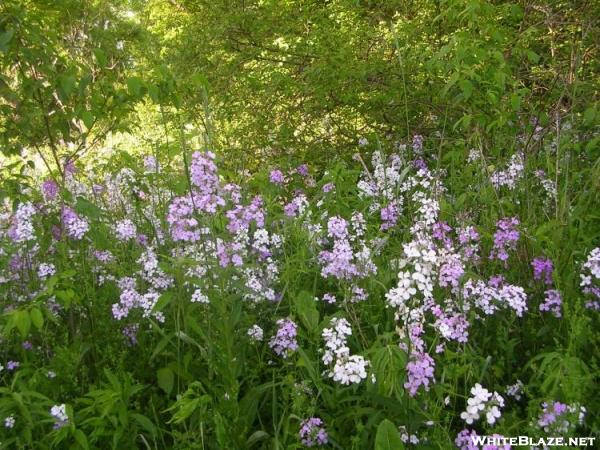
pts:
pixel 347 368
pixel 485 402
pixel 590 279
pixel 552 303
pixel 21 228
pixel 125 230
pixel 494 295
pixel 312 432
pixel 9 422
pixel 559 418
pixel 467 440
pixel 49 190
pixel 284 342
pixel 542 269
pixel 511 175
pixel 59 414
pixel 342 261
pixel 256 333
pixel 419 372
pixel 505 238
pixel 46 270
pixel 75 226
pixel 515 390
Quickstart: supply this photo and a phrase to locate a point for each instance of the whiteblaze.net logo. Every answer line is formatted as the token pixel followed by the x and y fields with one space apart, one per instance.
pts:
pixel 534 442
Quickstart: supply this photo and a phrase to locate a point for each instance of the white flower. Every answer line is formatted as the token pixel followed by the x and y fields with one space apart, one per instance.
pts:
pixel 9 422
pixel 492 415
pixel 482 401
pixel 46 270
pixel 199 297
pixel 256 333
pixel 59 412
pixel 348 369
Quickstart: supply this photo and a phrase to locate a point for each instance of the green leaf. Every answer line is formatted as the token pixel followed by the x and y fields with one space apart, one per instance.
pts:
pixel 163 301
pixel 533 56
pixel 22 321
pixel 135 85
pixel 37 318
pixel 67 85
pixel 589 115
pixel 515 102
pixel 388 437
pixel 256 437
pixel 166 379
pixel 81 439
pixel 100 57
pixel 88 119
pixel 466 87
pixel 307 310
pixel 5 39
pixel 145 423
pixel 87 208
pixel 388 364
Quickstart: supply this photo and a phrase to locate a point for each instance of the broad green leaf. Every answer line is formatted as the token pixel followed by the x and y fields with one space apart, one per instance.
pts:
pixel 135 85
pixel 307 310
pixel 166 379
pixel 100 57
pixel 37 318
pixel 22 322
pixel 388 437
pixel 88 119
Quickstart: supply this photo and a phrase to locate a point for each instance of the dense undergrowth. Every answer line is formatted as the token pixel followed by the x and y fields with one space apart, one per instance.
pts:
pixel 276 224
pixel 392 297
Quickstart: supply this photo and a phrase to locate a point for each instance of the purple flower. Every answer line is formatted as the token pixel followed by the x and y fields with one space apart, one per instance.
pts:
pixel 21 227
pixel 284 342
pixel 312 432
pixel 337 228
pixel 440 231
pixel 276 176
pixel 103 256
pixel 183 226
pixel 75 226
pixel 505 238
pixel 543 267
pixel 560 418
pixel 27 345
pixel 125 230
pixel 552 303
pixel 130 332
pixel 450 272
pixel 389 216
pixel 420 164
pixel 453 327
pixel 302 170
pixel 419 371
pixel 59 414
pixel 70 168
pixel 240 217
pixel 329 298
pixel 296 206
pixel 49 189
pixel 465 440
pixel 328 187
pixel 417 143
pixel 12 365
pixel 151 164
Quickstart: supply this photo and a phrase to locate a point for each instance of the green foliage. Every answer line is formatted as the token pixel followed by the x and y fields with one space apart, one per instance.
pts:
pixel 275 83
